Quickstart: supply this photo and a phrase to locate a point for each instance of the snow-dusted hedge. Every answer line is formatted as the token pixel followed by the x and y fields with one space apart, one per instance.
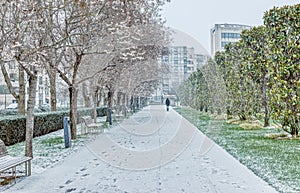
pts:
pixel 12 128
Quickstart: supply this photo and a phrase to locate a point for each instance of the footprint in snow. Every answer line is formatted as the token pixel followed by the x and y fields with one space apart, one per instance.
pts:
pixel 70 190
pixel 69 181
pixel 83 169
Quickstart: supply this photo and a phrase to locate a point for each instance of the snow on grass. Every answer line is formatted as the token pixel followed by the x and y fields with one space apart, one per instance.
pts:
pixel 275 161
pixel 49 150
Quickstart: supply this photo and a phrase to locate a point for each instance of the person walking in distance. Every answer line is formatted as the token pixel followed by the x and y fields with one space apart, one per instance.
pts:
pixel 167 103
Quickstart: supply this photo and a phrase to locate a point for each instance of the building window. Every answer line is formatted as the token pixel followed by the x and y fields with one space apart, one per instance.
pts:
pixel 166 59
pixel 230 35
pixel 165 51
pixel 13 77
pixel 40 80
pixel 47 92
pixel 190 62
pixel 223 44
pixel 11 66
pixel 184 61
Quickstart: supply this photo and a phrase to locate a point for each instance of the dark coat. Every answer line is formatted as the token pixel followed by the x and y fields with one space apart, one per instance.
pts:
pixel 167 102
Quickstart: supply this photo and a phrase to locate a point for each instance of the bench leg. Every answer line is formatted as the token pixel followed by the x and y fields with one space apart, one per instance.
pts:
pixel 93 130
pixel 14 173
pixel 28 168
pixel 81 128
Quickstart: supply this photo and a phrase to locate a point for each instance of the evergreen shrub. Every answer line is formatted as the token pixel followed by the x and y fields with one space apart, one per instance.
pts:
pixel 12 128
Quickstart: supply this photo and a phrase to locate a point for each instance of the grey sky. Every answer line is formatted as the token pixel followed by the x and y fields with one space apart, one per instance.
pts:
pixel 197 17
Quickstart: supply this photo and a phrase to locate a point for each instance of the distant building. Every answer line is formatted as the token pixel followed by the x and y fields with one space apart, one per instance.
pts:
pixel 43 90
pixel 5 97
pixel 181 62
pixel 222 34
pixel 180 59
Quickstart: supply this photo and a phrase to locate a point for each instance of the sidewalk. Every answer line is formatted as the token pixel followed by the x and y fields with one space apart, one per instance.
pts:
pixel 153 151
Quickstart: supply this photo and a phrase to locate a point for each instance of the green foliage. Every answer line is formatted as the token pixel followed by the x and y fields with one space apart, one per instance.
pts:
pixel 260 73
pixel 283 28
pixel 194 91
pixel 239 88
pixel 258 64
pixel 215 86
pixel 204 89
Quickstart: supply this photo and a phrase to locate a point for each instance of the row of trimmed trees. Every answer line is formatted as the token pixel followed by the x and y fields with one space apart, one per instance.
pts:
pixel 99 46
pixel 257 76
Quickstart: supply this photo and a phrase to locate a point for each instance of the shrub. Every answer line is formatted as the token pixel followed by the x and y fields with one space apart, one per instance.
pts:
pixel 12 128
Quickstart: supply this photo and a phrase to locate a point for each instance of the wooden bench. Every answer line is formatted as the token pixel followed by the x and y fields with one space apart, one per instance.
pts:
pixel 118 117
pixel 88 125
pixel 8 162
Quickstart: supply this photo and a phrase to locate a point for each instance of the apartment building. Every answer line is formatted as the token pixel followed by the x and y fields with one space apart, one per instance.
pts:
pixel 222 34
pixel 181 58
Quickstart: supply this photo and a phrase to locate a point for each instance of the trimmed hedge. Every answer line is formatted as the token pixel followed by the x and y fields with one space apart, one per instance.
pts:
pixel 12 128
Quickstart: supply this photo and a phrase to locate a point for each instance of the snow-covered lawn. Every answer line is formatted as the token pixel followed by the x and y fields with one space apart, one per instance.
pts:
pixel 48 150
pixel 275 161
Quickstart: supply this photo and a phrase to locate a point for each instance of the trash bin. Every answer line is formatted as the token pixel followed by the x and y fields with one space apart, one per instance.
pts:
pixel 67 133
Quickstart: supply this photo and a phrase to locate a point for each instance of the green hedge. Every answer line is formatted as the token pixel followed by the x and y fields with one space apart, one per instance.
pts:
pixel 12 128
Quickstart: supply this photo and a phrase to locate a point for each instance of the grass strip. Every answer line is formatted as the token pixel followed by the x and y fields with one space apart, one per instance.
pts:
pixel 275 161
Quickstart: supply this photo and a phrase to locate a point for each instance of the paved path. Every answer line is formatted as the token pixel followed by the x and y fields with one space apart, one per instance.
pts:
pixel 153 151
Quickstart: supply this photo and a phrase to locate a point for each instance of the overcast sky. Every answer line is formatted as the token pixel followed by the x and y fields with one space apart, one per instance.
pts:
pixel 197 17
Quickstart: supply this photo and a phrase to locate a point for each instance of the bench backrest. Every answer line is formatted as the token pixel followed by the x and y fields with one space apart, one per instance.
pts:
pixel 3 150
pixel 88 120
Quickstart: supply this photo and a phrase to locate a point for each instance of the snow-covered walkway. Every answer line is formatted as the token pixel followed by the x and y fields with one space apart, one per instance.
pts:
pixel 153 151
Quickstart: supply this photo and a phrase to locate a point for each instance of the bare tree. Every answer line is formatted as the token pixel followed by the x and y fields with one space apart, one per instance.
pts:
pixel 24 42
pixel 10 38
pixel 130 41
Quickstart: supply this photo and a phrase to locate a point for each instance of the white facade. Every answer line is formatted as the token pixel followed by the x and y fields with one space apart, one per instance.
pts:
pixel 222 34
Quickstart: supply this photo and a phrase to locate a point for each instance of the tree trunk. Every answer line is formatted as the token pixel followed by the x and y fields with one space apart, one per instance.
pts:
pixel 52 80
pixel 110 95
pixel 294 130
pixel 243 117
pixel 30 115
pixel 124 105
pixel 118 105
pixel 201 107
pixel 138 106
pixel 73 110
pixel 22 86
pixel 73 97
pixel 132 104
pixel 99 97
pixel 86 96
pixel 94 96
pixel 265 103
